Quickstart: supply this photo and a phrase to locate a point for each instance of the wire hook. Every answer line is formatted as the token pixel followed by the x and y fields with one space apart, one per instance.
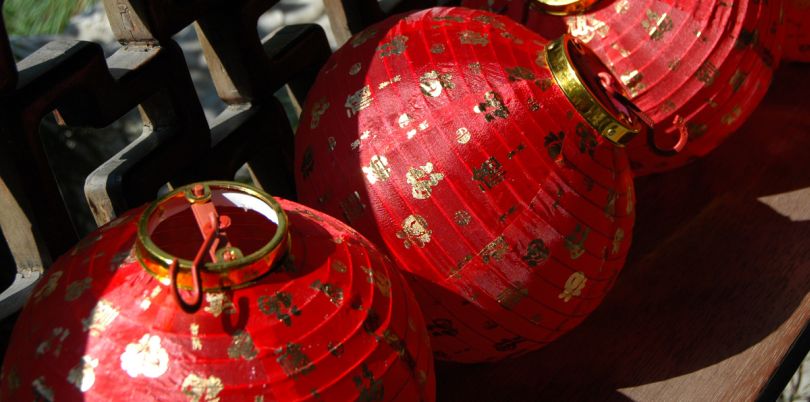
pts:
pixel 683 137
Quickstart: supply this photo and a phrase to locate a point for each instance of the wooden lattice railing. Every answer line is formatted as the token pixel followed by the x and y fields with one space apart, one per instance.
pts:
pixel 73 80
pixel 76 82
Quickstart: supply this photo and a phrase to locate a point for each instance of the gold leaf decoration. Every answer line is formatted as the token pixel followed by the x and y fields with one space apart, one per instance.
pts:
pixel 358 101
pixel 83 375
pixel 242 346
pixel 146 357
pixel 573 286
pixel 422 180
pixel 414 231
pixel 100 317
pixel 200 389
pixel 377 169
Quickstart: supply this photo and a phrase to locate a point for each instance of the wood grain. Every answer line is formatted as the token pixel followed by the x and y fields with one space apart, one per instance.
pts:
pixel 715 291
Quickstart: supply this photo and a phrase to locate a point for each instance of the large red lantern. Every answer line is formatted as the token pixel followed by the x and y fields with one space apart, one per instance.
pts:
pixel 797 30
pixel 697 68
pixel 292 305
pixel 486 166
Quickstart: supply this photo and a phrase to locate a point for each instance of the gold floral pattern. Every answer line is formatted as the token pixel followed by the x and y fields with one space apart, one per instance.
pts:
pixel 48 286
pixel 617 241
pixel 415 231
pixel 422 180
pixel 575 242
pixel 102 315
pixel 83 375
pixel 53 343
pixel 358 101
pixel 196 343
pixel 280 305
pixel 200 389
pixel 432 82
pixel 318 109
pixel 463 135
pixel 489 174
pixel 146 357
pixel 737 80
pixel 632 81
pixel 396 46
pixel 511 296
pixel 377 169
pixel 393 80
pixel 294 361
pixel 462 218
pixel 732 116
pixel 76 288
pixel 573 286
pixel 495 250
pixel 331 291
pixel 218 303
pixel 492 107
pixel 242 346
pixel 42 390
pixel 536 253
pixel 147 301
pixel 707 73
pixel 586 27
pixel 473 38
pixel 657 25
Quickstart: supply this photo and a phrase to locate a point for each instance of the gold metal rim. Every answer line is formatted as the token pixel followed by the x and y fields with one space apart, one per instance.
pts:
pixel 564 7
pixel 165 259
pixel 614 128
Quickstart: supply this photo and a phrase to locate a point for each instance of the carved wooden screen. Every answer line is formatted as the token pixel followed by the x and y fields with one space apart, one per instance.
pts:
pixel 75 81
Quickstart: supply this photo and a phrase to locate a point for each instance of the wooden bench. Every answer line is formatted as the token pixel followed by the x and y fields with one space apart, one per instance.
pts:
pixel 714 302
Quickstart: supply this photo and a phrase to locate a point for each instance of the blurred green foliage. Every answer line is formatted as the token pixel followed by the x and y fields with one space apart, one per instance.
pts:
pixel 38 17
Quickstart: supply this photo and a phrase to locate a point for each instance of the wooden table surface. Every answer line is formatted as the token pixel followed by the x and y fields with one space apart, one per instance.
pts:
pixel 715 294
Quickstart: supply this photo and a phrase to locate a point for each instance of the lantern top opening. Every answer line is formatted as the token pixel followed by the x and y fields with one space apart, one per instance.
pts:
pixel 593 90
pixel 564 7
pixel 253 242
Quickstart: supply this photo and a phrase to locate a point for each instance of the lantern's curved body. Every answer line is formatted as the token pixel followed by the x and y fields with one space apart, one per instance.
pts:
pixel 318 314
pixel 797 30
pixel 445 136
pixel 698 65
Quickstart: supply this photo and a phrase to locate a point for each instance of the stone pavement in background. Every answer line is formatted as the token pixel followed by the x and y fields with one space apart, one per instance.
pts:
pixel 92 26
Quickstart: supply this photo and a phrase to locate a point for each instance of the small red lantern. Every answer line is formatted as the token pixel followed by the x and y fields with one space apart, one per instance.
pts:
pixel 797 30
pixel 292 305
pixel 454 138
pixel 694 67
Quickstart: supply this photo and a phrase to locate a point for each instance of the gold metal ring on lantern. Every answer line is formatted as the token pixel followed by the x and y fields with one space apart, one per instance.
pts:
pixel 237 273
pixel 615 127
pixel 563 7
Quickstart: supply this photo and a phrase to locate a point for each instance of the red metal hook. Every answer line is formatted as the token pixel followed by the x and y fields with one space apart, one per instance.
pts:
pixel 204 211
pixel 683 137
pixel 196 291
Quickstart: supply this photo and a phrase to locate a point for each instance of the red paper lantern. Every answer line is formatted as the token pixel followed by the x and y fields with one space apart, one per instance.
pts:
pixel 448 135
pixel 296 306
pixel 694 65
pixel 797 30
